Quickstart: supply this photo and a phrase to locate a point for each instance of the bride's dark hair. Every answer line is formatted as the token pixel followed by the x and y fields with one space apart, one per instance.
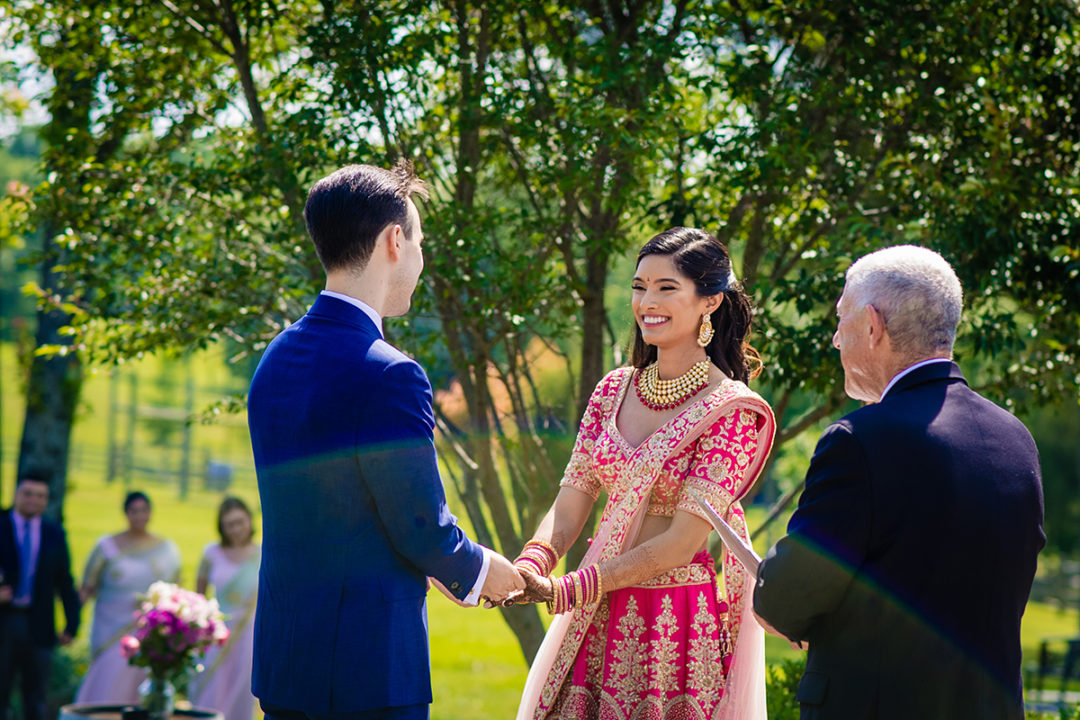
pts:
pixel 704 259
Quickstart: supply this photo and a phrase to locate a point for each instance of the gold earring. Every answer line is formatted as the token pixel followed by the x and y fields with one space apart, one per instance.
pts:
pixel 705 332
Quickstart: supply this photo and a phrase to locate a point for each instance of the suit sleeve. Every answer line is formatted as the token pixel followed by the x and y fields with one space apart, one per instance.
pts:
pixel 400 469
pixel 65 585
pixel 806 574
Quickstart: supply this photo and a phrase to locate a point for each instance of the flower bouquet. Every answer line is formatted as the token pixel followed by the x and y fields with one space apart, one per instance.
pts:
pixel 173 628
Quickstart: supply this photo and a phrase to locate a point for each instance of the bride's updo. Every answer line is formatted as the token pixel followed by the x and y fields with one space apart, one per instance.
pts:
pixel 701 257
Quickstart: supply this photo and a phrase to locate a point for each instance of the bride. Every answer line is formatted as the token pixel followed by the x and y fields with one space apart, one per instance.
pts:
pixel 645 627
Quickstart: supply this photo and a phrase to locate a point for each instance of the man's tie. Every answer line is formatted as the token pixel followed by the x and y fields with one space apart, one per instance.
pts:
pixel 25 571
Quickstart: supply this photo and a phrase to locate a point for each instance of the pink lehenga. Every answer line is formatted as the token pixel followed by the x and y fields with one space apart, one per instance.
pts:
pixel 683 645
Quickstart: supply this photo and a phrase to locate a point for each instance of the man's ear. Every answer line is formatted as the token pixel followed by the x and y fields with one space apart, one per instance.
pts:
pixel 389 241
pixel 876 321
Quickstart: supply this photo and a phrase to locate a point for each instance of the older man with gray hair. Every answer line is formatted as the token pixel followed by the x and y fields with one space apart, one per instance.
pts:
pixel 908 563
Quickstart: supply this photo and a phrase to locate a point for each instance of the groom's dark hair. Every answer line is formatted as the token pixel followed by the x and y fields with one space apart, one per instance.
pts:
pixel 346 211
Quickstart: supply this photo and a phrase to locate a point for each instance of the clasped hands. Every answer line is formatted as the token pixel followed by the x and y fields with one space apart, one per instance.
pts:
pixel 537 589
pixel 507 585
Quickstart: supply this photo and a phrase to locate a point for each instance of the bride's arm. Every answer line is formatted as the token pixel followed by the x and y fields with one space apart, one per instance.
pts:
pixel 565 519
pixel 672 548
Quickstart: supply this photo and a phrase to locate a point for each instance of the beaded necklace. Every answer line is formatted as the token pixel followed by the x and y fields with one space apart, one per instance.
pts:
pixel 657 394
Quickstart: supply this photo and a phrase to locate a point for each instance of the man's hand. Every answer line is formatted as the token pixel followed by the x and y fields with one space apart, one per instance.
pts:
pixel 6 593
pixel 795 644
pixel 64 639
pixel 502 579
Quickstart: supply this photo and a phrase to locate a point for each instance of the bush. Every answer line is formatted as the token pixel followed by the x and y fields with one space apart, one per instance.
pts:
pixel 781 682
pixel 1065 713
pixel 68 668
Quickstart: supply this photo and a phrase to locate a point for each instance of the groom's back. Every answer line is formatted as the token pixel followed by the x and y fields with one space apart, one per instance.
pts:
pixel 321 617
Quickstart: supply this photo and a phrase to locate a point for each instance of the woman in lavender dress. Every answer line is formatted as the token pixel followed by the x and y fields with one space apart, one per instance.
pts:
pixel 231 567
pixel 120 568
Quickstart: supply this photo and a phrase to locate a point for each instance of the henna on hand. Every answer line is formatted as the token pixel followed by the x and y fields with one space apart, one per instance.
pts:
pixel 537 589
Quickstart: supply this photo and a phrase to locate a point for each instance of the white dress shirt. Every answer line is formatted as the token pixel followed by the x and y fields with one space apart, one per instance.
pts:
pixel 906 370
pixel 18 524
pixel 473 598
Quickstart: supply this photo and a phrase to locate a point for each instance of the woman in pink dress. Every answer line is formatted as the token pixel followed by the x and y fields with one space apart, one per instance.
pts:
pixel 644 627
pixel 231 567
pixel 120 568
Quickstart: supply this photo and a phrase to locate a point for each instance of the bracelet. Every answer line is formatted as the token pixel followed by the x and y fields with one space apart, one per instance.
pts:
pixel 575 589
pixel 537 557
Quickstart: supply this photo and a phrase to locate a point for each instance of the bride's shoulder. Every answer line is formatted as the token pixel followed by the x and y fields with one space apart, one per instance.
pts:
pixel 617 376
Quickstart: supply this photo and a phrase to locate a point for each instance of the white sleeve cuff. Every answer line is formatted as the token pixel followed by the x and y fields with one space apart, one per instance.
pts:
pixel 473 598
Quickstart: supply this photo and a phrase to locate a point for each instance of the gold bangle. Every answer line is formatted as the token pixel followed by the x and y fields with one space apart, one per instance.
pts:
pixel 548 557
pixel 541 543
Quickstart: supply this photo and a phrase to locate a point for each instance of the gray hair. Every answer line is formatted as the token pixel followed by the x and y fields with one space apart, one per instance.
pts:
pixel 915 290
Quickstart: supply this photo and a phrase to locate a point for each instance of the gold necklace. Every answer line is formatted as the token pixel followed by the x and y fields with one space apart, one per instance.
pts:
pixel 657 394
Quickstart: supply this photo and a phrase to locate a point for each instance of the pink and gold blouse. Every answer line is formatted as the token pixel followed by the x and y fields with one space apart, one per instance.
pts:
pixel 714 464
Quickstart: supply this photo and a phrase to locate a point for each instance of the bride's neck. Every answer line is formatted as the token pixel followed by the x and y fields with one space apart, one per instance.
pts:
pixel 673 362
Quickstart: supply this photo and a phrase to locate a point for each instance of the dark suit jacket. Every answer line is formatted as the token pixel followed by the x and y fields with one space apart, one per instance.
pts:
pixel 53 578
pixel 354 518
pixel 909 560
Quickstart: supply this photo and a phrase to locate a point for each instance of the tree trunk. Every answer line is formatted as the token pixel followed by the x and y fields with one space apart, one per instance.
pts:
pixel 51 397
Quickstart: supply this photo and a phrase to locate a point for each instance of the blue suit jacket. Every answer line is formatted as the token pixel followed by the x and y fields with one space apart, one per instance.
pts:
pixel 52 579
pixel 908 563
pixel 354 518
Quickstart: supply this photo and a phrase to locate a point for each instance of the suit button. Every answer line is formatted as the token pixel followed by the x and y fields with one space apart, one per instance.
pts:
pixel 455 586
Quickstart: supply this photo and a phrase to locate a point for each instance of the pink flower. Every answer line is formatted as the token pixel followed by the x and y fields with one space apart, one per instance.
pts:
pixel 129 646
pixel 221 634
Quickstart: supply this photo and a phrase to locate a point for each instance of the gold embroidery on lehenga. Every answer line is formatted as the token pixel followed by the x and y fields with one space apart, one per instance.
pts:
pixel 597 645
pixel 704 668
pixel 627 668
pixel 663 656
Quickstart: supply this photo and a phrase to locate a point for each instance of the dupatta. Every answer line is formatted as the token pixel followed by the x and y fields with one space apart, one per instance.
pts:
pixel 744 694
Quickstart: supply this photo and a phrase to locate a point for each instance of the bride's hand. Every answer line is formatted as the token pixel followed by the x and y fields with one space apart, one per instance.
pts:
pixel 537 589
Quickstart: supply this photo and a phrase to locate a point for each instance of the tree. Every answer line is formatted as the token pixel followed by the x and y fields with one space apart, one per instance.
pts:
pixel 558 135
pixel 835 130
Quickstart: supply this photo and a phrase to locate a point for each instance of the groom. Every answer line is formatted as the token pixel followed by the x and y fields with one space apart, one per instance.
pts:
pixel 354 514
pixel 909 560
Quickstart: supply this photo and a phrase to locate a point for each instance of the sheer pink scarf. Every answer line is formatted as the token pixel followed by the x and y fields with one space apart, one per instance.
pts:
pixel 744 694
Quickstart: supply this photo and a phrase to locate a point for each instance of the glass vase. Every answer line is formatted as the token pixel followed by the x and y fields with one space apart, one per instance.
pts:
pixel 157 695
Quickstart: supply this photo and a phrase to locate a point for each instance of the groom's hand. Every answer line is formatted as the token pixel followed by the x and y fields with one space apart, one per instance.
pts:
pixel 502 580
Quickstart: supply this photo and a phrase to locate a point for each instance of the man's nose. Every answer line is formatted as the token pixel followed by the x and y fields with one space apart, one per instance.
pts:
pixel 836 339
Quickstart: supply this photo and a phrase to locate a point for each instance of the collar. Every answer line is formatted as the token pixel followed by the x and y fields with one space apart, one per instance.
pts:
pixel 359 304
pixel 910 369
pixel 23 520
